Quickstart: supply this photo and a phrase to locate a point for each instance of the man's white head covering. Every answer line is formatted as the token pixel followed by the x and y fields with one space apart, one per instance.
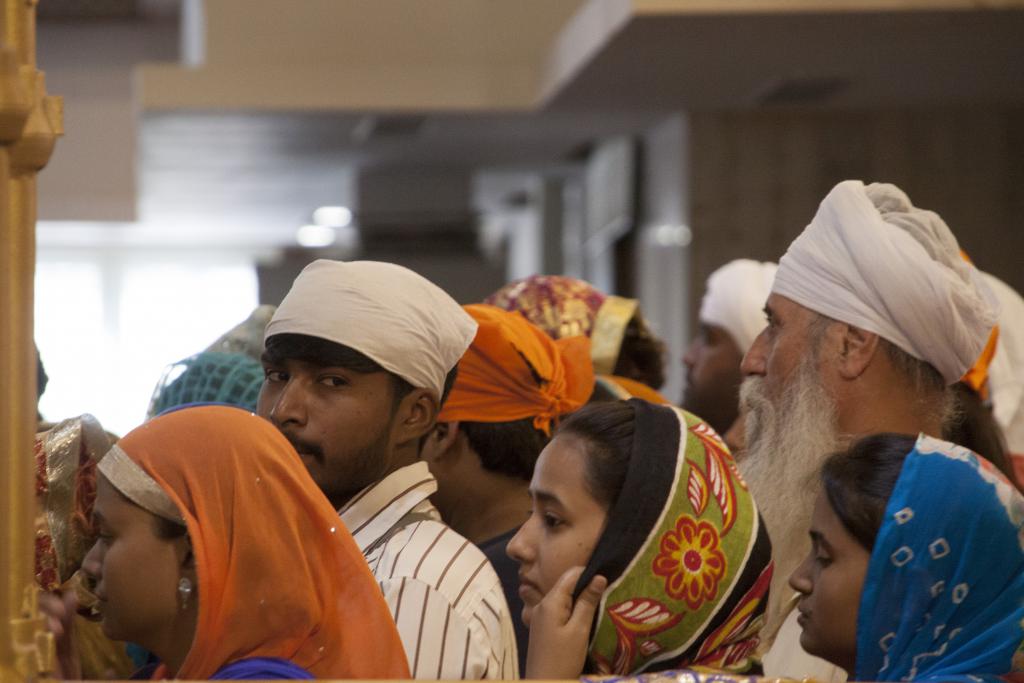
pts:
pixel 399 319
pixel 872 260
pixel 734 299
pixel 1006 373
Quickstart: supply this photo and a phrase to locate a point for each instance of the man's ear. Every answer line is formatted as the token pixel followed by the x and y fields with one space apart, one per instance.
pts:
pixel 415 416
pixel 448 434
pixel 440 441
pixel 857 348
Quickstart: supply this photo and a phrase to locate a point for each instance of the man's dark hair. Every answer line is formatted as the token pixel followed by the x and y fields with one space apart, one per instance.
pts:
pixel 509 448
pixel 317 351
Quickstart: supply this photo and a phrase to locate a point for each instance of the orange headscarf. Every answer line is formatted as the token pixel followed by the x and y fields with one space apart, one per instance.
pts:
pixel 278 573
pixel 625 388
pixel 977 377
pixel 496 380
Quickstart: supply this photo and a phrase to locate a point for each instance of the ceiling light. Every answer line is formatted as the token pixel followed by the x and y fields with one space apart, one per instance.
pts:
pixel 315 236
pixel 672 236
pixel 333 216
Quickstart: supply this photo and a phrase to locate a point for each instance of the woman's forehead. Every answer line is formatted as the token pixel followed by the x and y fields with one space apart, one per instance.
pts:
pixel 565 454
pixel 561 469
pixel 112 506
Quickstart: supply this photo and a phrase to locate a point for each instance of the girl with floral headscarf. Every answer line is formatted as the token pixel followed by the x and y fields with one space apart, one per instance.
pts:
pixel 644 550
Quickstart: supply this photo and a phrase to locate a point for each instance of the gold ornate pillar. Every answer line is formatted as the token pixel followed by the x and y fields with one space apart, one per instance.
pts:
pixel 30 122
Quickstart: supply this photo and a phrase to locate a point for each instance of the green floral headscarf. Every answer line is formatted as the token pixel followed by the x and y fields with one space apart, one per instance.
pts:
pixel 686 555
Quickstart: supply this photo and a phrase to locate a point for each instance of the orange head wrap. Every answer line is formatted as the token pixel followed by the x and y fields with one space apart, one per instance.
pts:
pixel 498 376
pixel 977 377
pixel 279 575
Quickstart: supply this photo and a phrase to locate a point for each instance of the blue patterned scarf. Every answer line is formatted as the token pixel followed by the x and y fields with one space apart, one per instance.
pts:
pixel 943 598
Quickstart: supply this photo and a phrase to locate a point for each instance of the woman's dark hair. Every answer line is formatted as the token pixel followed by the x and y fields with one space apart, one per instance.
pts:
pixel 974 426
pixel 859 481
pixel 42 379
pixel 641 356
pixel 607 432
pixel 168 530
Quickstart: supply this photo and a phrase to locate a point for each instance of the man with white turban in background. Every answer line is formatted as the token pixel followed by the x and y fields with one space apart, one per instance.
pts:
pixel 731 316
pixel 1006 373
pixel 872 315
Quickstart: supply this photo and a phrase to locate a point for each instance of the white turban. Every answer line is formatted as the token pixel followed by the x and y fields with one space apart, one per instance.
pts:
pixel 872 260
pixel 734 299
pixel 402 321
pixel 1006 373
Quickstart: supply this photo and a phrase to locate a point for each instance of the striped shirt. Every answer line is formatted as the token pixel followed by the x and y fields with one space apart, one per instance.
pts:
pixel 443 593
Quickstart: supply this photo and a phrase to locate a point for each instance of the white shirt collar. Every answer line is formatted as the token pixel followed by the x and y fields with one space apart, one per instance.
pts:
pixel 377 508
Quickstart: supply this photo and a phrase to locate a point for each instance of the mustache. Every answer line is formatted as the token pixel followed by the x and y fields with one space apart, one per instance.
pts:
pixel 752 393
pixel 305 447
pixel 755 407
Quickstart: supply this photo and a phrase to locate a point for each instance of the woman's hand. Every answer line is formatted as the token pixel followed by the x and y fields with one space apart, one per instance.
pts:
pixel 59 611
pixel 560 630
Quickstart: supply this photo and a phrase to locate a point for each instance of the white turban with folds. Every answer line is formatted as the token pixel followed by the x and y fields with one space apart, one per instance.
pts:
pixel 734 299
pixel 399 319
pixel 871 259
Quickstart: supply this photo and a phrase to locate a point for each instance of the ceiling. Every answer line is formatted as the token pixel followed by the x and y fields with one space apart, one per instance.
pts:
pixel 839 60
pixel 441 55
pixel 535 55
pixel 275 168
pixel 294 95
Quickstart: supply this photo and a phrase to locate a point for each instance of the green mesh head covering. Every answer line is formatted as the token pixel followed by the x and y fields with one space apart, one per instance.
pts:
pixel 208 377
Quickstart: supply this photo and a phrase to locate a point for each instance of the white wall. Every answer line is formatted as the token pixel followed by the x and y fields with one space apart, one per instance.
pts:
pixel 91 176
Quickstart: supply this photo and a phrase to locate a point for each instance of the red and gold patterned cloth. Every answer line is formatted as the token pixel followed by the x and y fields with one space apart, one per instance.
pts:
pixel 561 306
pixel 567 307
pixel 66 455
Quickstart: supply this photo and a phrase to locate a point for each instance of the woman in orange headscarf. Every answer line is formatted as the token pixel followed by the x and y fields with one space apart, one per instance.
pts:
pixel 218 553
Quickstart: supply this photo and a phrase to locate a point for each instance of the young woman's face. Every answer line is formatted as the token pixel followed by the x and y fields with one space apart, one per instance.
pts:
pixel 830 581
pixel 564 526
pixel 136 572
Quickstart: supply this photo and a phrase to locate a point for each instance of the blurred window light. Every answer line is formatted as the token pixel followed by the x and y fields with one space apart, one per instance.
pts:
pixel 107 324
pixel 333 216
pixel 315 236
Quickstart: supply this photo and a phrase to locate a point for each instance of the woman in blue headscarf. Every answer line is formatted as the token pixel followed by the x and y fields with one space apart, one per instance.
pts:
pixel 916 570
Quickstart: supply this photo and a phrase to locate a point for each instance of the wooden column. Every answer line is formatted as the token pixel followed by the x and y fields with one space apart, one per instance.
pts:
pixel 30 122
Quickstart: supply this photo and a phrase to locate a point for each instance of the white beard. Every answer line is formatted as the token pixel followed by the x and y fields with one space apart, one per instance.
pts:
pixel 788 438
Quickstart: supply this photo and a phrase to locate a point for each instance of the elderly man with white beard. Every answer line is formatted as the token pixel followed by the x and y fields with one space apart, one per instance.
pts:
pixel 873 313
